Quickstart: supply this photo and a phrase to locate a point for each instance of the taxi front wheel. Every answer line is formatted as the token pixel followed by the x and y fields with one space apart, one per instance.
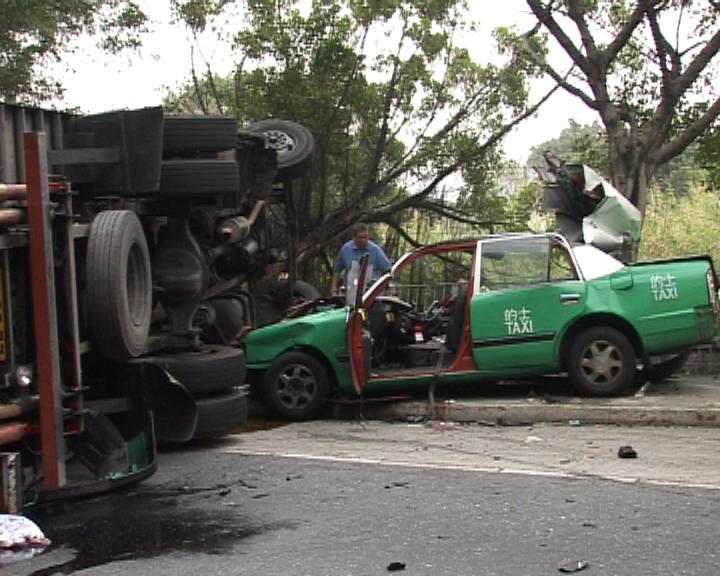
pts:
pixel 601 362
pixel 296 386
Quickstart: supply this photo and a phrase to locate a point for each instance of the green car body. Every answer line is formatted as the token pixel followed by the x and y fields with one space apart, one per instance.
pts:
pixel 530 305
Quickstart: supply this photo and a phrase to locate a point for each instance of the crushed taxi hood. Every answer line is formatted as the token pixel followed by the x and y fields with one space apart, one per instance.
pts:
pixel 588 208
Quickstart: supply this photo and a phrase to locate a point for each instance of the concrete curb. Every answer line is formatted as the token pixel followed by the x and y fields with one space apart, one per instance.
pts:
pixel 518 413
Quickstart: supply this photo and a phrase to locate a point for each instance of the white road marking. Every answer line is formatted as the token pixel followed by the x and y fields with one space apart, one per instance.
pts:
pixel 469 468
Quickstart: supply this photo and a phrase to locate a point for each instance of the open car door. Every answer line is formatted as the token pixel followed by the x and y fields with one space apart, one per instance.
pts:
pixel 359 341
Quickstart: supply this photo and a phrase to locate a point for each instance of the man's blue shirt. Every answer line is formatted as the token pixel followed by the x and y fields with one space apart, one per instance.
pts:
pixel 350 253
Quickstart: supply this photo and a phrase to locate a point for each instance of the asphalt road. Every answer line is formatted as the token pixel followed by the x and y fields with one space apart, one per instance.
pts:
pixel 340 498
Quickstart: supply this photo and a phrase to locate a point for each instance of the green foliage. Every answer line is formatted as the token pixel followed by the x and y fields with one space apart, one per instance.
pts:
pixel 576 143
pixel 681 174
pixel 195 13
pixel 588 145
pixel 677 225
pixel 36 32
pixel 708 157
pixel 526 211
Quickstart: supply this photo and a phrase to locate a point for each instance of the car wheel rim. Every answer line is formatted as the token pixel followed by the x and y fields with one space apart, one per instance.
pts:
pixel 296 386
pixel 602 362
pixel 279 141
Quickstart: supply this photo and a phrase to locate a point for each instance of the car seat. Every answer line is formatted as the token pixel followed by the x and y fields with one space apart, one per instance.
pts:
pixel 433 352
pixel 456 323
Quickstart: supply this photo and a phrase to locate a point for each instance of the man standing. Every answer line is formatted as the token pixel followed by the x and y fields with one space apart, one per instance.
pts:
pixel 348 260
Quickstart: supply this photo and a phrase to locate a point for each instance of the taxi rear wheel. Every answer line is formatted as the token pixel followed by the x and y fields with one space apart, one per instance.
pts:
pixel 296 386
pixel 601 362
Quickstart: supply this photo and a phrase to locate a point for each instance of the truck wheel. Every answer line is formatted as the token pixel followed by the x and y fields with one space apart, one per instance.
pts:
pixel 275 298
pixel 198 177
pixel 230 318
pixel 221 414
pixel 119 284
pixel 206 371
pixel 189 136
pixel 601 362
pixel 295 386
pixel 293 143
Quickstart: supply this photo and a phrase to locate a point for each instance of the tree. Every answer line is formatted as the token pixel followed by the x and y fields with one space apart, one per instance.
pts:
pixel 649 69
pixel 34 33
pixel 414 125
pixel 576 143
pixel 589 145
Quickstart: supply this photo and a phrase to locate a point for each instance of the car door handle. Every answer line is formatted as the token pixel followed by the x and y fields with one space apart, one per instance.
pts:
pixel 569 298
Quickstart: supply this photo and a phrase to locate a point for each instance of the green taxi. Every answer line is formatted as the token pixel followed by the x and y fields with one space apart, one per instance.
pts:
pixel 487 309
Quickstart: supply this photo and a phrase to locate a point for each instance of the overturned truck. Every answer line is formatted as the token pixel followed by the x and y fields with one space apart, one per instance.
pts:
pixel 135 248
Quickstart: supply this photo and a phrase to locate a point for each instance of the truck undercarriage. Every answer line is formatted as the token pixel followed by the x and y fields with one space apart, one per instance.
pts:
pixel 133 250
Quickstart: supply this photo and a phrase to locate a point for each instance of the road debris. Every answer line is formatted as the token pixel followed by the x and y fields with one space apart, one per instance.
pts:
pixel 396 566
pixel 20 538
pixel 627 452
pixel 572 566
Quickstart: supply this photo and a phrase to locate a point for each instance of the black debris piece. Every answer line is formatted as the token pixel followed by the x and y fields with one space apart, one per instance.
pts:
pixel 572 566
pixel 396 566
pixel 626 452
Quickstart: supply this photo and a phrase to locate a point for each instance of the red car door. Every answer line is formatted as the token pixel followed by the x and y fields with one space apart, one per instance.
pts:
pixel 359 343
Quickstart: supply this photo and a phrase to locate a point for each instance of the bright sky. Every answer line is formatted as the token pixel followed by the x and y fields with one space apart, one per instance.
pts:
pixel 100 83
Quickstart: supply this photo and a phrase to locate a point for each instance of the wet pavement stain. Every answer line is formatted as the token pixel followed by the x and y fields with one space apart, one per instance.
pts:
pixel 141 525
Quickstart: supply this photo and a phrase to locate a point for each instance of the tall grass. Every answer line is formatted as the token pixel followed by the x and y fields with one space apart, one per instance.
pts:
pixel 680 225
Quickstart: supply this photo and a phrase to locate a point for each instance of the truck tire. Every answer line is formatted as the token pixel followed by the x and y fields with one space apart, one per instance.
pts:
pixel 293 143
pixel 198 178
pixel 275 298
pixel 190 136
pixel 306 291
pixel 221 414
pixel 231 317
pixel 206 371
pixel 119 285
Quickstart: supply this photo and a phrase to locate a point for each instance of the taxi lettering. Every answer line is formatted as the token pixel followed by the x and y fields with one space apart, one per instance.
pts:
pixel 664 287
pixel 518 321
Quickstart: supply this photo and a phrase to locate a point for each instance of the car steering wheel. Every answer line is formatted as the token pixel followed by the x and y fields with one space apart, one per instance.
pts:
pixel 433 312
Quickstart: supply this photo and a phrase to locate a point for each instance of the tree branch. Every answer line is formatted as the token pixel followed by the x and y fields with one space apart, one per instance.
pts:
pixel 455 214
pixel 577 14
pixel 698 64
pixel 628 29
pixel 688 136
pixel 544 15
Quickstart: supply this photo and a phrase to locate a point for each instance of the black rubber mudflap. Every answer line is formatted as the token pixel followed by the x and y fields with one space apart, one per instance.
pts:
pixel 101 447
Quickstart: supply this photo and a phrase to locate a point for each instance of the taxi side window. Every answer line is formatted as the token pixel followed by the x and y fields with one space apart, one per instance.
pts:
pixel 523 262
pixel 561 264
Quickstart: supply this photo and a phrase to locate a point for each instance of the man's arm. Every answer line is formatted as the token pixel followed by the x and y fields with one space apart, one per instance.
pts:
pixel 383 262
